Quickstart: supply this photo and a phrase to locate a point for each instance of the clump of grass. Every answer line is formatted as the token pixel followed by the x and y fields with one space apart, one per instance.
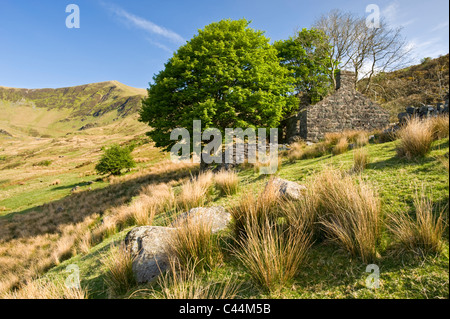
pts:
pixel 335 143
pixel 64 248
pixel 272 255
pixel 119 277
pixel 352 136
pixel 296 151
pixel 301 213
pixel 361 139
pixel 416 137
pixel 227 182
pixel 349 213
pixel 144 210
pixel 181 283
pixel 333 138
pixel 341 146
pixel 383 136
pixel 421 235
pixel 440 126
pixel 43 163
pixel 360 159
pixel 12 165
pixel 194 245
pixel 265 206
pixel 45 289
pixel 317 150
pixel 196 192
pixel 444 160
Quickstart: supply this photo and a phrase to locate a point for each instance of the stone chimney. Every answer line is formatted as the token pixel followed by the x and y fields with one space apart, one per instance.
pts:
pixel 345 80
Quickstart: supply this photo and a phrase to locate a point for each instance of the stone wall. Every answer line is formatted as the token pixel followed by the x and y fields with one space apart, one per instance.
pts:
pixel 346 109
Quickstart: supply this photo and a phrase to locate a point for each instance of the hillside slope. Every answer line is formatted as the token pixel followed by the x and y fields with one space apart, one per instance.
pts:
pixel 329 272
pixel 55 112
pixel 425 83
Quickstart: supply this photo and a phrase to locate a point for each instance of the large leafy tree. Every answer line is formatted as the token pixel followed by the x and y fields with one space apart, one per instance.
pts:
pixel 227 76
pixel 305 55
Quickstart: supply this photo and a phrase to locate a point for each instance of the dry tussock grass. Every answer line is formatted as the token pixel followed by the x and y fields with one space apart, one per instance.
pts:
pixel 422 234
pixel 360 159
pixel 227 182
pixel 272 255
pixel 341 146
pixel 181 283
pixel 33 242
pixel 349 213
pixel 335 143
pixel 416 138
pixel 119 277
pixel 259 209
pixel 44 289
pixel 440 126
pixel 196 192
pixel 194 246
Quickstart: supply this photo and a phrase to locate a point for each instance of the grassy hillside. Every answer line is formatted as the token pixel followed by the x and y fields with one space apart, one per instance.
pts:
pixel 426 83
pixel 329 271
pixel 55 112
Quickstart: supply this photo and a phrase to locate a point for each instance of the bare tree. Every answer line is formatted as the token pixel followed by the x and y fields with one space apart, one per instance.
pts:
pixel 339 28
pixel 365 50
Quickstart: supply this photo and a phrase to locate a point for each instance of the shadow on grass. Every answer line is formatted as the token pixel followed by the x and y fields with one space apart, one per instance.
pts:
pixel 396 162
pixel 47 218
pixel 444 143
pixel 72 186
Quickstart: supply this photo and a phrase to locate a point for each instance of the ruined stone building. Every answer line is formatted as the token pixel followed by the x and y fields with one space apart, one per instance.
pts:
pixel 346 109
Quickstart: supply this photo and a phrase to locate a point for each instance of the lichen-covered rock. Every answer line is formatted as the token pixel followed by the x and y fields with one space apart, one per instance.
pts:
pixel 287 189
pixel 216 216
pixel 148 245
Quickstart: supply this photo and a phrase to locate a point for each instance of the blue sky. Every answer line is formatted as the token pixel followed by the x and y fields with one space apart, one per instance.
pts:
pixel 129 41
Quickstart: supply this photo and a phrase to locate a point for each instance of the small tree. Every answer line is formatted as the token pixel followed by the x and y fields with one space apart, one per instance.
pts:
pixel 114 159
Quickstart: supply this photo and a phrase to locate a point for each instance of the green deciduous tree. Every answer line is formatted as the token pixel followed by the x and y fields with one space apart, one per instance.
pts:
pixel 115 159
pixel 305 55
pixel 227 76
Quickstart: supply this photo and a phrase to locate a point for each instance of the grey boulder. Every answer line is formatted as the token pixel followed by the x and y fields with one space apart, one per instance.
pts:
pixel 216 216
pixel 288 189
pixel 148 244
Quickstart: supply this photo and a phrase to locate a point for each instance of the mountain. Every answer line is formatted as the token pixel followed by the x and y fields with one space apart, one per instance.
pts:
pixel 426 83
pixel 55 112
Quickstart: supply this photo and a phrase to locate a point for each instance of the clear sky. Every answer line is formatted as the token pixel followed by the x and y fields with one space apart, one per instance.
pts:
pixel 129 41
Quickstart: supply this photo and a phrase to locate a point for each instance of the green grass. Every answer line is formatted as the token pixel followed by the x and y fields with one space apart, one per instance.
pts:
pixel 328 271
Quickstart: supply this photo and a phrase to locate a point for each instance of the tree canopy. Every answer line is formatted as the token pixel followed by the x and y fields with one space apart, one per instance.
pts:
pixel 227 76
pixel 306 56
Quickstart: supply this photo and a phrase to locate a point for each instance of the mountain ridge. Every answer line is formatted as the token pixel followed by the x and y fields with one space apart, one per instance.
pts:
pixel 61 110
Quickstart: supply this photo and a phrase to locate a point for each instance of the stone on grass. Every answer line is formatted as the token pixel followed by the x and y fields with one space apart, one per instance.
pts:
pixel 215 215
pixel 148 245
pixel 288 189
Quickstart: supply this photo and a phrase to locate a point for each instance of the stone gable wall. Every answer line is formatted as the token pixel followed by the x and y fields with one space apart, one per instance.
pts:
pixel 346 109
